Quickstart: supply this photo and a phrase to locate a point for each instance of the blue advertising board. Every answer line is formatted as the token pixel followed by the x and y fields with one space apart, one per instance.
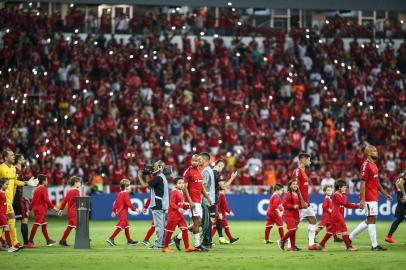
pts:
pixel 245 207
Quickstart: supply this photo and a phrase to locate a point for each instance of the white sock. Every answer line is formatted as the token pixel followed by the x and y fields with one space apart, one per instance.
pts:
pixel 179 236
pixel 360 228
pixel 196 238
pixel 312 233
pixel 289 245
pixel 372 234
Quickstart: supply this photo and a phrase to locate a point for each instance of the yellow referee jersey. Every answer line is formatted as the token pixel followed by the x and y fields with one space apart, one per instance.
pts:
pixel 10 174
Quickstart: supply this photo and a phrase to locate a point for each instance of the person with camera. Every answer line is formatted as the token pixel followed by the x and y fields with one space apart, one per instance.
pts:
pixel 159 198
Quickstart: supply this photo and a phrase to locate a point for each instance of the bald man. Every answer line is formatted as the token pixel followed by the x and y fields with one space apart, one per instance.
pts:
pixel 369 196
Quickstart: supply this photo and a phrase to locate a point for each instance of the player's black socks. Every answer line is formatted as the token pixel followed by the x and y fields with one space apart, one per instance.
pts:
pixel 395 225
pixel 219 225
pixel 24 232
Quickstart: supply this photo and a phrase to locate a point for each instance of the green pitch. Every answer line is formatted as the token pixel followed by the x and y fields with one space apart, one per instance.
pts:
pixel 249 253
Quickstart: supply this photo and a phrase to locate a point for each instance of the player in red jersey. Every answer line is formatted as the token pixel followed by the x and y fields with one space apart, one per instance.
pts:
pixel 291 205
pixel 3 216
pixel 327 210
pixel 194 190
pixel 338 225
pixel 40 204
pixel 151 229
pixel 274 213
pixel 120 208
pixel 369 195
pixel 177 206
pixel 70 201
pixel 306 211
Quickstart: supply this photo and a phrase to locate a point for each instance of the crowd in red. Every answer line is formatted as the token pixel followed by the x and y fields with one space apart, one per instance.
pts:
pixel 103 109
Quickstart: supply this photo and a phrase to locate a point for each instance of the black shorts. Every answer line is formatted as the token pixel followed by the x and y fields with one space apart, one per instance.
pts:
pixel 213 211
pixel 20 206
pixel 401 207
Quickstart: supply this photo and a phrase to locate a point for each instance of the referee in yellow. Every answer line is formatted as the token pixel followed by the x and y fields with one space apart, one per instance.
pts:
pixel 8 171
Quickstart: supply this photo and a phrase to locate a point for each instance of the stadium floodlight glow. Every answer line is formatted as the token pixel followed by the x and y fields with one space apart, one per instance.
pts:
pixel 7 30
pixel 142 47
pixel 74 96
pixel 189 58
pixel 202 33
pixel 76 31
pixel 361 103
pixel 229 4
pixel 193 69
pixel 206 108
pixel 66 117
pixel 173 28
pixel 327 21
pixel 131 56
pixel 238 54
pixel 68 131
pixel 95 43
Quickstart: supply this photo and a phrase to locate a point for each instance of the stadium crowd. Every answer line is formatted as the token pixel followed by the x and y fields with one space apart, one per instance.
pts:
pixel 102 108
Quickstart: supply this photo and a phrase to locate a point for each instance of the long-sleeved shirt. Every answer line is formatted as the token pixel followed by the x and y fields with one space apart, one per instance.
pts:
pixel 289 201
pixel 123 203
pixel 176 201
pixel 9 172
pixel 339 203
pixel 40 201
pixel 70 201
pixel 327 208
pixel 275 202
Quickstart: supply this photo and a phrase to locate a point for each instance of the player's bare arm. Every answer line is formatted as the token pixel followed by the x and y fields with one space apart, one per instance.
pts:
pixel 192 205
pixel 362 194
pixel 206 195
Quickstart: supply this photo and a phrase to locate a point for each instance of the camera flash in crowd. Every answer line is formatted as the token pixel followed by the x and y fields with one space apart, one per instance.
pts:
pixel 307 36
pixel 247 107
pixel 216 35
pixel 47 140
pixel 228 154
pixel 193 69
pixel 9 70
pixel 103 175
pixel 335 61
pixel 76 31
pixel 37 156
pixel 66 117
pixel 237 54
pixel 173 28
pixel 386 115
pixel 361 103
pixel 12 112
pixel 203 80
pixel 128 154
pixel 184 27
pixel 136 127
pixel 79 146
pixel 142 47
pixel 189 58
pixel 327 21
pixel 145 55
pixel 292 118
pixel 401 21
pixel 38 13
pixel 377 46
pixel 342 129
pixel 136 120
pixel 7 86
pixel 342 64
pixel 206 108
pixel 228 117
pixel 110 52
pixel 24 101
pixel 233 9
pixel 194 149
pixel 229 4
pixel 348 104
pixel 155 57
pixel 202 33
pixel 68 131
pixel 397 72
pixel 154 52
pixel 75 42
pixel 349 67
pixel 96 101
pixel 84 91
pixel 362 45
pixel 167 144
pixel 170 106
pixel 334 99
pixel 131 56
pixel 74 96
pixel 7 30
pixel 239 23
pixel 322 81
pixel 270 97
pixel 45 73
pixel 55 120
pixel 95 43
pixel 220 141
pixel 37 122
pixel 72 5
pixel 325 88
pixel 371 107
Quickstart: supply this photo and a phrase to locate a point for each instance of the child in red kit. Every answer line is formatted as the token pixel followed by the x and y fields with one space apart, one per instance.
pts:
pixel 291 216
pixel 120 207
pixel 338 225
pixel 274 213
pixel 40 204
pixel 70 201
pixel 176 210
pixel 151 229
pixel 3 216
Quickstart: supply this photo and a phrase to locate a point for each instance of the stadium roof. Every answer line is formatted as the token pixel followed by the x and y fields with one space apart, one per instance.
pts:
pixel 395 5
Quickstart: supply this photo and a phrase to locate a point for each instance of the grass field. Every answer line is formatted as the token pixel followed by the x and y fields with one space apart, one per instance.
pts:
pixel 249 253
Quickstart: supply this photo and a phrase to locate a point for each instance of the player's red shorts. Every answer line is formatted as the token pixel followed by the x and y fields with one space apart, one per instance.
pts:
pixel 72 220
pixel 271 220
pixel 324 223
pixel 123 221
pixel 40 217
pixel 171 225
pixel 291 223
pixel 337 227
pixel 3 221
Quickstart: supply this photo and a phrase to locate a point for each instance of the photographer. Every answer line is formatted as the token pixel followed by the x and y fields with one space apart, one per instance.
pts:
pixel 159 198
